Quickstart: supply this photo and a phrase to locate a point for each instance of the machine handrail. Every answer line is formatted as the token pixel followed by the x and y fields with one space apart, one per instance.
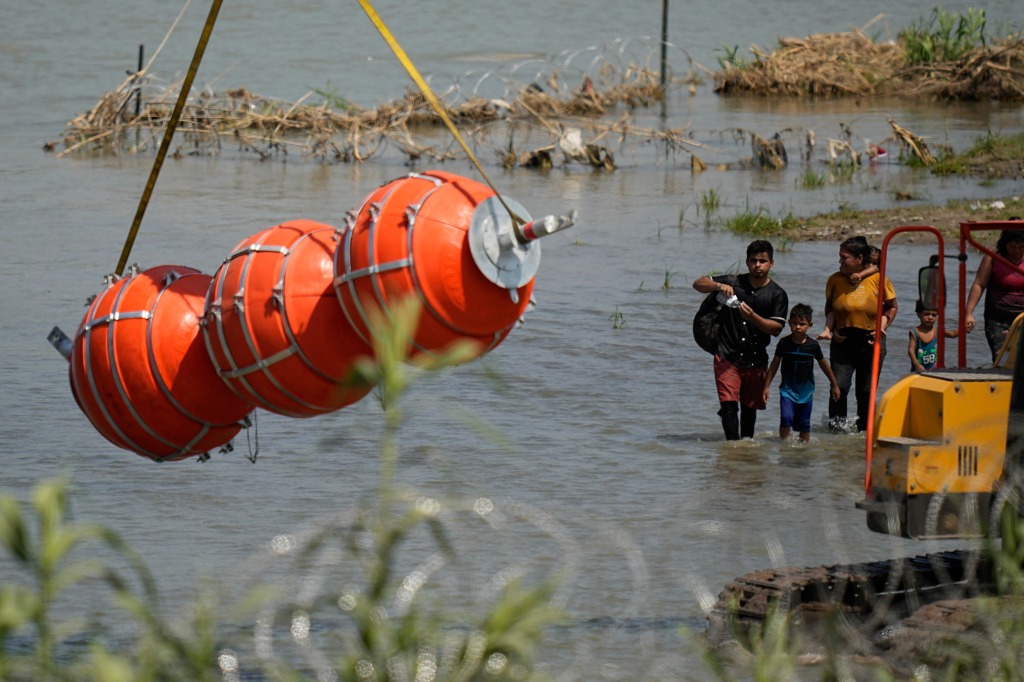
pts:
pixel 966 237
pixel 876 347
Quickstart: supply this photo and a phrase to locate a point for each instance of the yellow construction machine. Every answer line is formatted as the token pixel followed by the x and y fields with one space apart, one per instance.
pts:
pixel 943 456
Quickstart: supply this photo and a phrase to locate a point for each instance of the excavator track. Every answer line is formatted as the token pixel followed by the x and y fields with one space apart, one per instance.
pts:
pixel 873 594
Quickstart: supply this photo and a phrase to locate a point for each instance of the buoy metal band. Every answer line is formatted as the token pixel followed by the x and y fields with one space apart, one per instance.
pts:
pixel 114 316
pixel 158 377
pixel 374 270
pixel 411 213
pixel 279 298
pixel 262 365
pixel 215 310
pixel 373 208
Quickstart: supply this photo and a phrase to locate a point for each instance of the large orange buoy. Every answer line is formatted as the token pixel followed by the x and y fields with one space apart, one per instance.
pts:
pixel 273 326
pixel 140 371
pixel 447 240
pixel 273 332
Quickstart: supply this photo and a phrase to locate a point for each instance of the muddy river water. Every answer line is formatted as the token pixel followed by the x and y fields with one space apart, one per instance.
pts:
pixel 608 434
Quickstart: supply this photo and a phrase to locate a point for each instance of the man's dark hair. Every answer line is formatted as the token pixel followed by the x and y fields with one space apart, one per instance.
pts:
pixel 858 246
pixel 761 246
pixel 801 311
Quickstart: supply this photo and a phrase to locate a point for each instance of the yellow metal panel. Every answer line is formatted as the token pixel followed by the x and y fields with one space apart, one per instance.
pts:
pixel 970 458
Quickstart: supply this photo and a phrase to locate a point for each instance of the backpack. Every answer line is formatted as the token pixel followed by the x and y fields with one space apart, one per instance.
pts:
pixel 708 324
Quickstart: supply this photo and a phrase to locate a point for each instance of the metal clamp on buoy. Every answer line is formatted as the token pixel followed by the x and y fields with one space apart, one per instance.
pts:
pixel 507 256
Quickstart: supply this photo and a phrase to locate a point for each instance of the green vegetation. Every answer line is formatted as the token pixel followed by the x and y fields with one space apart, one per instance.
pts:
pixel 386 624
pixel 812 180
pixel 617 318
pixel 989 155
pixel 840 173
pixel 760 223
pixel 666 282
pixel 847 211
pixel 333 100
pixel 731 58
pixel 710 200
pixel 944 36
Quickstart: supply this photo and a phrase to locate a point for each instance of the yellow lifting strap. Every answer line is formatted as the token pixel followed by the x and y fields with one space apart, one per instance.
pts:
pixel 165 143
pixel 428 93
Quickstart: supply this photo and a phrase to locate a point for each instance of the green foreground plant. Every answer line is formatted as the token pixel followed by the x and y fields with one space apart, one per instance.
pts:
pixel 380 620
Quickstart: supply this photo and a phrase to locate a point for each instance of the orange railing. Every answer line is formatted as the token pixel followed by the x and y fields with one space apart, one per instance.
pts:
pixel 876 351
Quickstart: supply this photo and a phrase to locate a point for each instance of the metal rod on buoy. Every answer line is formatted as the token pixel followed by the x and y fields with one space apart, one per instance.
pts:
pixel 547 225
pixel 506 254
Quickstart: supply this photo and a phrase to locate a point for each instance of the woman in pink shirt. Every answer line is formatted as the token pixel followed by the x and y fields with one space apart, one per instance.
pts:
pixel 1005 284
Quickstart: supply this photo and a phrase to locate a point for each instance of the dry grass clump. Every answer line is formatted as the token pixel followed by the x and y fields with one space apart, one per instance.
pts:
pixel 830 64
pixel 995 73
pixel 845 64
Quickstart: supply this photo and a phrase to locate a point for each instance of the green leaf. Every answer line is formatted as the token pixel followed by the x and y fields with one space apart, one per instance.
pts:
pixel 12 530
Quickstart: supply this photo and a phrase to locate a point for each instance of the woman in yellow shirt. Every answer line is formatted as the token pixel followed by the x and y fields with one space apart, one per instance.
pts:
pixel 851 305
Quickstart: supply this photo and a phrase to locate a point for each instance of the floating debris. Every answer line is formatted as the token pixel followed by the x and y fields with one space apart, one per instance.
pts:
pixel 769 154
pixel 131 119
pixel 912 144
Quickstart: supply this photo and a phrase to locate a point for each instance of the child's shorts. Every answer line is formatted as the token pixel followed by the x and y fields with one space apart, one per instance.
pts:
pixel 796 416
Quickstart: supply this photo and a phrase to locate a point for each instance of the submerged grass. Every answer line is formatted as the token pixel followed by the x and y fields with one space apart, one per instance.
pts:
pixel 760 223
pixel 989 155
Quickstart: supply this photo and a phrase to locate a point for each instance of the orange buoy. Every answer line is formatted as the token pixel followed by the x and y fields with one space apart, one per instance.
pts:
pixel 140 371
pixel 411 237
pixel 273 327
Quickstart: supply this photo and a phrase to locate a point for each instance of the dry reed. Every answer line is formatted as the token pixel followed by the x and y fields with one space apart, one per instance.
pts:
pixel 268 127
pixel 851 64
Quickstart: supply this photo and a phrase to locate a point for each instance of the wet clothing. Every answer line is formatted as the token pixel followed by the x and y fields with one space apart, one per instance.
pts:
pixel 742 343
pixel 1004 301
pixel 797 367
pixel 855 305
pixel 742 362
pixel 927 354
pixel 854 309
pixel 744 386
pixel 853 356
pixel 1005 298
pixel 796 416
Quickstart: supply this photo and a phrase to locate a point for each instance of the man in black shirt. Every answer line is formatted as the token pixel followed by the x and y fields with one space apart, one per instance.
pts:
pixel 748 321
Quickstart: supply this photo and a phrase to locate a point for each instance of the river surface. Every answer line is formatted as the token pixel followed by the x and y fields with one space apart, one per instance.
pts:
pixel 608 433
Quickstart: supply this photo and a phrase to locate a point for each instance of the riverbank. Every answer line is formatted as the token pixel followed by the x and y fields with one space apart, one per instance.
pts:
pixel 840 224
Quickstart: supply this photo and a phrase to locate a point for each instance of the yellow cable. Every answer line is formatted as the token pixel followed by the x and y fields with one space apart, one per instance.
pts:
pixel 172 123
pixel 425 89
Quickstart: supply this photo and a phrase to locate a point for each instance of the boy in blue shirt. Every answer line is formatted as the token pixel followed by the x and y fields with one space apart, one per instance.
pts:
pixel 797 353
pixel 924 341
